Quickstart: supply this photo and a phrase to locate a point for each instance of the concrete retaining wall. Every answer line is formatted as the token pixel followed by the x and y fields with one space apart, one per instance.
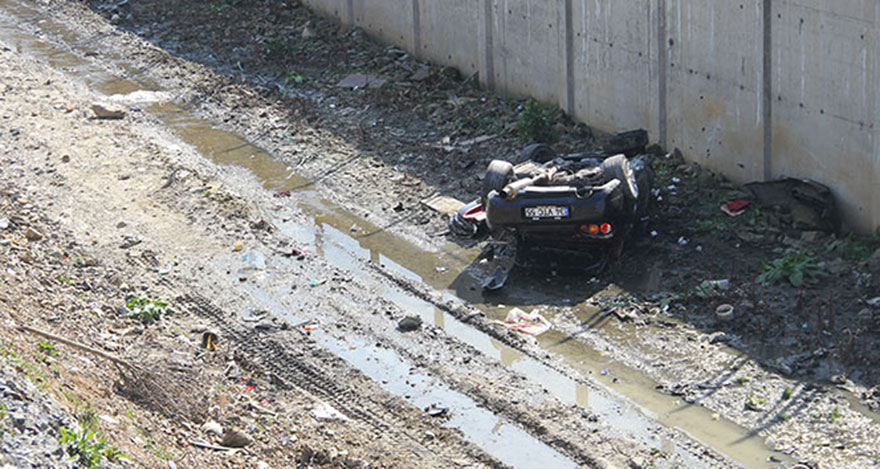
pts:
pixel 756 89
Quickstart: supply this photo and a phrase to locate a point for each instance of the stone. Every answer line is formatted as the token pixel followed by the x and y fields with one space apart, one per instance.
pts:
pixel 235 439
pixel 108 113
pixel 409 323
pixel 33 235
pixel 212 428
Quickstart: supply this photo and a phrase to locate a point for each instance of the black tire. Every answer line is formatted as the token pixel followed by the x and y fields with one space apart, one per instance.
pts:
pixel 617 167
pixel 537 152
pixel 498 175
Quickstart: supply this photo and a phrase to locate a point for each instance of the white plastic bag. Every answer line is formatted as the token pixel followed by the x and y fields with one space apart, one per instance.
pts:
pixel 529 323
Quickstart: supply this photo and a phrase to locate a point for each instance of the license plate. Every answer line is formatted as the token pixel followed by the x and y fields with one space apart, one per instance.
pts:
pixel 546 211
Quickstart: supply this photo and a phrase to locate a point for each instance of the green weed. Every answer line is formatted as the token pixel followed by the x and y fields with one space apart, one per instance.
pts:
pixel 834 416
pixel 854 248
pixel 147 310
pixel 787 393
pixel 754 403
pixel 537 123
pixel 293 78
pixel 280 48
pixel 708 226
pixel 88 447
pixel 48 348
pixel 796 268
pixel 64 280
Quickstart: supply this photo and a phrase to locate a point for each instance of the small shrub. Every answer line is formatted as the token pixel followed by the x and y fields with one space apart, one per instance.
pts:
pixel 147 310
pixel 834 416
pixel 537 123
pixel 88 447
pixel 787 393
pixel 48 348
pixel 294 78
pixel 754 403
pixel 796 268
pixel 854 248
pixel 279 48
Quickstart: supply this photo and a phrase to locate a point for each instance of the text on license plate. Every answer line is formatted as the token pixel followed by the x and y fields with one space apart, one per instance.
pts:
pixel 546 211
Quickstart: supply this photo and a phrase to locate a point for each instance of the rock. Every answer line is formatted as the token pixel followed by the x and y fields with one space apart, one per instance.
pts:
pixel 108 113
pixel 4 223
pixel 65 159
pixel 263 465
pixel 409 323
pixel 235 439
pixel 33 235
pixel 811 236
pixel 874 302
pixel 212 428
pixel 326 412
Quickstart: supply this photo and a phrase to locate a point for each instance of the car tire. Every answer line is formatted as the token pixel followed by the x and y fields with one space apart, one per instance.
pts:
pixel 618 167
pixel 537 152
pixel 498 175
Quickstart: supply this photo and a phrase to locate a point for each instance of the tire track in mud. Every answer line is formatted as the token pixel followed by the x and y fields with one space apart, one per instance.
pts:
pixel 295 369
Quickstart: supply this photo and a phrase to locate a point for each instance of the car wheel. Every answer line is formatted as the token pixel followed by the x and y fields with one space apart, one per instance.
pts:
pixel 618 167
pixel 537 152
pixel 498 175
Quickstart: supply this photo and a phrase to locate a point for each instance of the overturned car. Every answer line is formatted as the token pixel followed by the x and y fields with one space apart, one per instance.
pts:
pixel 570 211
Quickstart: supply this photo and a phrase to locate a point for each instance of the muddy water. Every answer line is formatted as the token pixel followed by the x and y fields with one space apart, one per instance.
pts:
pixel 627 401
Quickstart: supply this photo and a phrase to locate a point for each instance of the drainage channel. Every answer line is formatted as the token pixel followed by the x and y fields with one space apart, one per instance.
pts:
pixel 386 367
pixel 628 402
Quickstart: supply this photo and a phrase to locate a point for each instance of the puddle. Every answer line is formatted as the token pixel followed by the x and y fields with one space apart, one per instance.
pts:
pixel 384 366
pixel 627 400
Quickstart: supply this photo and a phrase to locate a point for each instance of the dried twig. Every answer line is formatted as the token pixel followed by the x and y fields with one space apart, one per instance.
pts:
pixel 85 348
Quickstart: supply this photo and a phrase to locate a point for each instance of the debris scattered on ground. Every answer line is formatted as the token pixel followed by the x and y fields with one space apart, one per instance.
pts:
pixel 360 81
pixel 443 204
pixel 734 208
pixel 805 204
pixel 529 323
pixel 496 280
pixel 325 412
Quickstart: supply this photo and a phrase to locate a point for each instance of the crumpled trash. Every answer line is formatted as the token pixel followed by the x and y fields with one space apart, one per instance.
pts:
pixel 735 208
pixel 529 323
pixel 435 410
pixel 209 341
pixel 326 412
pixel 253 315
pixel 496 280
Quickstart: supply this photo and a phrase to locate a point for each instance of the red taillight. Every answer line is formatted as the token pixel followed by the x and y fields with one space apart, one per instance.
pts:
pixel 605 228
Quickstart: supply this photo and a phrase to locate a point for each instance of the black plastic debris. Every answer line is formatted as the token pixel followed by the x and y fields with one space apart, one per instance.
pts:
pixel 803 203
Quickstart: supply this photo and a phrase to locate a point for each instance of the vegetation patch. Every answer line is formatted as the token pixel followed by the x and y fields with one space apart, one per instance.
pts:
pixel 796 268
pixel 147 310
